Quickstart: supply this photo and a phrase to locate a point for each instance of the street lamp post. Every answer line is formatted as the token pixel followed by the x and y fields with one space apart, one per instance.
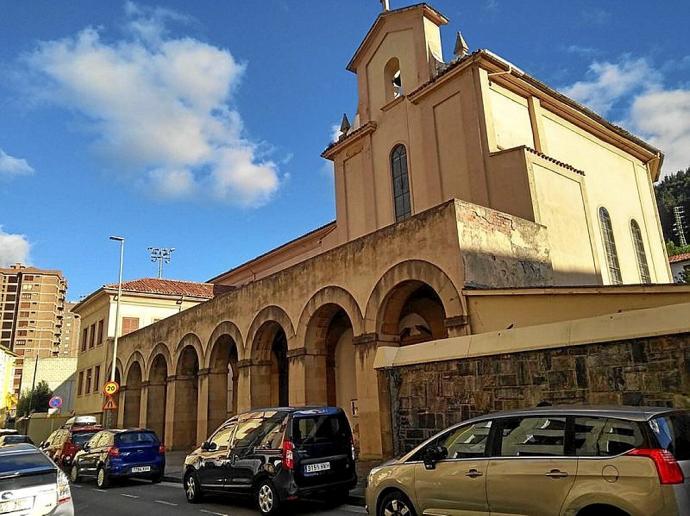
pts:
pixel 117 305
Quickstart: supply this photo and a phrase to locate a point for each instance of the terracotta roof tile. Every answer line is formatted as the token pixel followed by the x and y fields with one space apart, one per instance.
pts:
pixel 679 257
pixel 171 287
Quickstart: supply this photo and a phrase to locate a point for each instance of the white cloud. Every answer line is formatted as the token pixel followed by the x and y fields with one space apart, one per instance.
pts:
pixel 612 81
pixel 659 114
pixel 160 106
pixel 13 248
pixel 335 132
pixel 11 166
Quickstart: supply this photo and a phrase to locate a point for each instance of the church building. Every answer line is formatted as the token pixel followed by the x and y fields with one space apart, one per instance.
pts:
pixel 495 245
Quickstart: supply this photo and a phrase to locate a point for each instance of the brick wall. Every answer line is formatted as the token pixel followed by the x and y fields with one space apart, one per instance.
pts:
pixel 429 397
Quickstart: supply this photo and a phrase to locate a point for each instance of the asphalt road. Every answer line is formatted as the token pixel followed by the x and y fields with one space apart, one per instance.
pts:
pixel 135 497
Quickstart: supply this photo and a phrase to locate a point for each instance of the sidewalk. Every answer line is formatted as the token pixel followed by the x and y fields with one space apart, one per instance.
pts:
pixel 174 462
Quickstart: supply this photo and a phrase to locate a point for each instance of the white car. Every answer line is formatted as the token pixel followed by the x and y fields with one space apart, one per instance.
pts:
pixel 31 484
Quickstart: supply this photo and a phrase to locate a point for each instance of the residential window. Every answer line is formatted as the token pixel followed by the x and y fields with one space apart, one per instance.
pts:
pixel 92 335
pixel 639 252
pixel 610 246
pixel 96 378
pixel 129 324
pixel 80 383
pixel 84 338
pixel 100 332
pixel 88 381
pixel 26 296
pixel 401 183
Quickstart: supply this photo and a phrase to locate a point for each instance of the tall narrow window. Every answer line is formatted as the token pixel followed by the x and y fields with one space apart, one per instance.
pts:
pixel 401 183
pixel 639 252
pixel 610 246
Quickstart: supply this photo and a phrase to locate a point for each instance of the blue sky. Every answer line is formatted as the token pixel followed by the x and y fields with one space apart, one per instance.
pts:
pixel 198 125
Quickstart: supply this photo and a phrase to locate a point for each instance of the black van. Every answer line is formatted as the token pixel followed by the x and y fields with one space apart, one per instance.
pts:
pixel 275 455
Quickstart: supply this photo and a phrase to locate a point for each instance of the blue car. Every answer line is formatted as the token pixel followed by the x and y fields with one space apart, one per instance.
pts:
pixel 113 454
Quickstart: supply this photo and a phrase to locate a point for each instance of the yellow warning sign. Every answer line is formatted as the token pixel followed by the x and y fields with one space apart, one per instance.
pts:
pixel 109 404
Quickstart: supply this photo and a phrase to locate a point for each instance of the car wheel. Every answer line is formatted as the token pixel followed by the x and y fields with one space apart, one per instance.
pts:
pixel 74 474
pixel 157 479
pixel 396 504
pixel 192 489
pixel 102 478
pixel 267 498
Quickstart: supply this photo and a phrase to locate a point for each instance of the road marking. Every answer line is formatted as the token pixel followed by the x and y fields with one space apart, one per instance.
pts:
pixel 214 513
pixel 128 495
pixel 166 503
pixel 76 485
pixel 170 484
pixel 353 508
pixel 99 490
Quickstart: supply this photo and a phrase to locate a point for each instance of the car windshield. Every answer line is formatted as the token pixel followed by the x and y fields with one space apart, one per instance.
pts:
pixel 79 438
pixel 320 428
pixel 673 433
pixel 24 462
pixel 15 439
pixel 137 438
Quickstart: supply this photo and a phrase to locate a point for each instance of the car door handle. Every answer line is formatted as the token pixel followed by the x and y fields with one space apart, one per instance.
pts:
pixel 556 473
pixel 473 473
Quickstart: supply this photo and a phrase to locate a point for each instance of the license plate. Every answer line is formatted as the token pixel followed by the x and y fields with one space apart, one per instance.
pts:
pixel 22 504
pixel 141 469
pixel 315 468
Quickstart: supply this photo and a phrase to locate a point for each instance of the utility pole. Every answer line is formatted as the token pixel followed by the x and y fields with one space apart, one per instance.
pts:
pixel 679 225
pixel 161 255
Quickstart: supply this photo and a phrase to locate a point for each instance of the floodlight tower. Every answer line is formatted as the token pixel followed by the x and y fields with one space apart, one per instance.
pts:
pixel 161 255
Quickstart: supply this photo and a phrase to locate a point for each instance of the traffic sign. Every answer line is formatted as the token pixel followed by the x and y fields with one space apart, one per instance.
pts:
pixel 109 404
pixel 111 388
pixel 55 402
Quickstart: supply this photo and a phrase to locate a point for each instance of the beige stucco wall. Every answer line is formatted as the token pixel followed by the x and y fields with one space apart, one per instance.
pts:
pixel 498 310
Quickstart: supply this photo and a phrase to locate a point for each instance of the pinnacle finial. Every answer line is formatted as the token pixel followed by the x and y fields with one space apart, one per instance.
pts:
pixel 461 48
pixel 344 126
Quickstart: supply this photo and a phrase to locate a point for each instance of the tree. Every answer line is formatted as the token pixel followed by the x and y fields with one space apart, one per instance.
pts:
pixel 34 400
pixel 673 190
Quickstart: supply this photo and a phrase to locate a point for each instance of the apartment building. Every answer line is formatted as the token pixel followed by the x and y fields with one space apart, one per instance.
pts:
pixel 69 340
pixel 32 301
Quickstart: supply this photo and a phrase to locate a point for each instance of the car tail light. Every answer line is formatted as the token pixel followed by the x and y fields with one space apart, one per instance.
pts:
pixel 113 452
pixel 352 447
pixel 666 465
pixel 288 455
pixel 63 492
pixel 161 449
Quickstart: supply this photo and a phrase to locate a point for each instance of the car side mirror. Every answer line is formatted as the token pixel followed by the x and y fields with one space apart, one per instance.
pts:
pixel 86 447
pixel 434 454
pixel 208 446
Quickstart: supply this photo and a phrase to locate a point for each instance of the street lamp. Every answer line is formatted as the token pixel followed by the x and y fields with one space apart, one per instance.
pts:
pixel 117 306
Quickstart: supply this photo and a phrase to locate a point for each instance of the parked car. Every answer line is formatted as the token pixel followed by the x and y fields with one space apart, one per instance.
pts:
pixel 80 421
pixel 15 439
pixel 567 460
pixel 63 444
pixel 113 454
pixel 31 483
pixel 275 455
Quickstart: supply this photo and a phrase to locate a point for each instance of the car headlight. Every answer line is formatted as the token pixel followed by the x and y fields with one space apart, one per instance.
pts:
pixel 63 492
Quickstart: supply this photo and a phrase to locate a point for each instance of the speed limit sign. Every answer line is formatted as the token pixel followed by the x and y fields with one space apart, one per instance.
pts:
pixel 111 388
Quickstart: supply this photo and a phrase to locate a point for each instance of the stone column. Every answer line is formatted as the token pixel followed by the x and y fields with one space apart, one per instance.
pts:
pixel 170 413
pixel 217 398
pixel 143 404
pixel 120 411
pixel 373 399
pixel 202 406
pixel 307 378
pixel 244 395
pixel 259 383
pixel 457 326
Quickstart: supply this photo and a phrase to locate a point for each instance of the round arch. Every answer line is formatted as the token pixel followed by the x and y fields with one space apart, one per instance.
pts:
pixel 163 350
pixel 257 330
pixel 134 358
pixel 339 299
pixel 224 328
pixel 411 271
pixel 190 339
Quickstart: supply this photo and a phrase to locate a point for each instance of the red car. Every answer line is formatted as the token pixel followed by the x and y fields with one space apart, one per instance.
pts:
pixel 63 444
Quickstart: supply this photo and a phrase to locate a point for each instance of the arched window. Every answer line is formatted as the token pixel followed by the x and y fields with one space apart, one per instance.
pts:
pixel 401 183
pixel 391 72
pixel 610 246
pixel 639 252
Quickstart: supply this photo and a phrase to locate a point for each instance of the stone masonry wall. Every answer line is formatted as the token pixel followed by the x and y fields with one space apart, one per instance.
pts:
pixel 429 397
